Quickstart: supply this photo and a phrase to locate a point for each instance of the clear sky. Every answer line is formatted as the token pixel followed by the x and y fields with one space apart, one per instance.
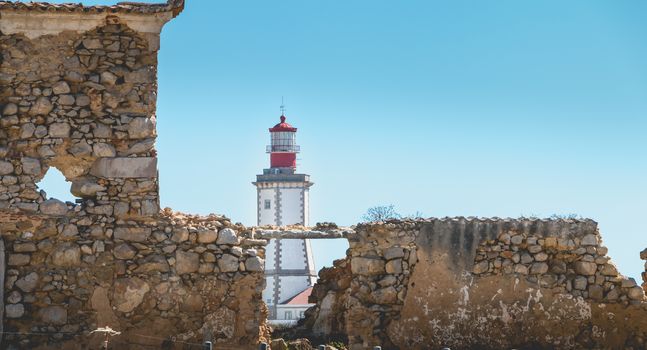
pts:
pixel 471 108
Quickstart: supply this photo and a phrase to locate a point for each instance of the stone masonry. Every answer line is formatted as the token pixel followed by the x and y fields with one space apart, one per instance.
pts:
pixel 479 283
pixel 77 92
pixel 643 256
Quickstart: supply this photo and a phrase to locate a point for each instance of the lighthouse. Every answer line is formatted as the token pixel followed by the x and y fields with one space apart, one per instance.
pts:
pixel 282 199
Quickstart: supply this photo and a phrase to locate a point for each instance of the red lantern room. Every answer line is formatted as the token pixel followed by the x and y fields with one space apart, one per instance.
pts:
pixel 283 150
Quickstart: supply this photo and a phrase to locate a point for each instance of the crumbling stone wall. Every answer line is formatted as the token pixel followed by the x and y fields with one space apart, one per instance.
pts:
pixel 643 256
pixel 78 92
pixel 486 284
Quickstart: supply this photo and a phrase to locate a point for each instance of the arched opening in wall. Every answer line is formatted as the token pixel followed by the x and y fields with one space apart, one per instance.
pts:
pixel 56 186
pixel 291 270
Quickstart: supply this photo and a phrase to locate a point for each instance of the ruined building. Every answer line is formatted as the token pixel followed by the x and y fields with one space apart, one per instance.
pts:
pixel 283 199
pixel 78 93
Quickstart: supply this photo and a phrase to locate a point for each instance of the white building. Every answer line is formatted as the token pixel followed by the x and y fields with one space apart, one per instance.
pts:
pixel 282 199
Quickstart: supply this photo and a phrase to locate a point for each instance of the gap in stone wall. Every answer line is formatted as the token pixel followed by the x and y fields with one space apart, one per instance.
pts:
pixel 286 290
pixel 326 251
pixel 56 186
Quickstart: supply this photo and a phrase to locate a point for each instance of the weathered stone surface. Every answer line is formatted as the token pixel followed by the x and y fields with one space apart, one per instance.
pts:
pixel 538 268
pixel 60 130
pixel 132 234
pixel 580 283
pixel 228 263
pixel 53 315
pixel 28 283
pixel 481 267
pixel 10 109
pixel 128 293
pixel 18 259
pixel 86 188
pixel 42 106
pixel 386 295
pixel 31 166
pixel 367 266
pixel 26 247
pixel 125 167
pixel 14 310
pixel 255 264
pixel 207 236
pixel 153 263
pixel 61 87
pixel 6 168
pixel 221 322
pixel 585 268
pixel 636 293
pixel 141 128
pixel 394 266
pixel 186 262
pixel 227 236
pixel 103 150
pixel 393 253
pixel 124 251
pixel 53 207
pixel 589 240
pixel 596 292
pixel 180 235
pixel 609 270
pixel 66 255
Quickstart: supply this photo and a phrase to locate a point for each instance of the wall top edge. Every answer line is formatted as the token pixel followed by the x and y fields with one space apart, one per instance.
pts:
pixel 174 6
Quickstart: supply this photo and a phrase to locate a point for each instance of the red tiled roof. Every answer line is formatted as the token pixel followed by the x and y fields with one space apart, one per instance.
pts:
pixel 121 7
pixel 299 299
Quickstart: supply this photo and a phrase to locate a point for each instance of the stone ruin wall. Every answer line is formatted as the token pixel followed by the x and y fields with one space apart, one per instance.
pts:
pixel 478 284
pixel 83 101
pixel 78 92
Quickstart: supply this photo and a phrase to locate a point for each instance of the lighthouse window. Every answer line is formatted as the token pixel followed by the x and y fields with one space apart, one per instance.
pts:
pixel 283 141
pixel 268 204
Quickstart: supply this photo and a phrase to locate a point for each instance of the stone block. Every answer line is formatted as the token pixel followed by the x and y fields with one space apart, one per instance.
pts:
pixel 394 266
pixel 367 266
pixel 66 255
pixel 86 188
pixel 124 251
pixel 590 240
pixel 141 128
pixel 142 167
pixel 228 263
pixel 128 293
pixel 132 234
pixel 14 310
pixel 585 268
pixel 207 236
pixel 28 283
pixel 186 262
pixel 6 168
pixel 227 236
pixel 255 264
pixel 18 259
pixel 393 253
pixel 31 166
pixel 153 263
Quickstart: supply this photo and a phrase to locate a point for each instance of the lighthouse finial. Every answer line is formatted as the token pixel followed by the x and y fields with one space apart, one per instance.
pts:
pixel 282 107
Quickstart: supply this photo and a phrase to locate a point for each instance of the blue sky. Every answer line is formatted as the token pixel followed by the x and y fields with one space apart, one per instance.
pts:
pixel 472 108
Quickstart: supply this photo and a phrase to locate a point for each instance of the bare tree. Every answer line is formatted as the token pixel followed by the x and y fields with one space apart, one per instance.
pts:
pixel 415 216
pixel 380 213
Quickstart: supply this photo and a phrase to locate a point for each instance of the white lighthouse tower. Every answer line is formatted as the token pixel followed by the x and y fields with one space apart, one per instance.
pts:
pixel 282 199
